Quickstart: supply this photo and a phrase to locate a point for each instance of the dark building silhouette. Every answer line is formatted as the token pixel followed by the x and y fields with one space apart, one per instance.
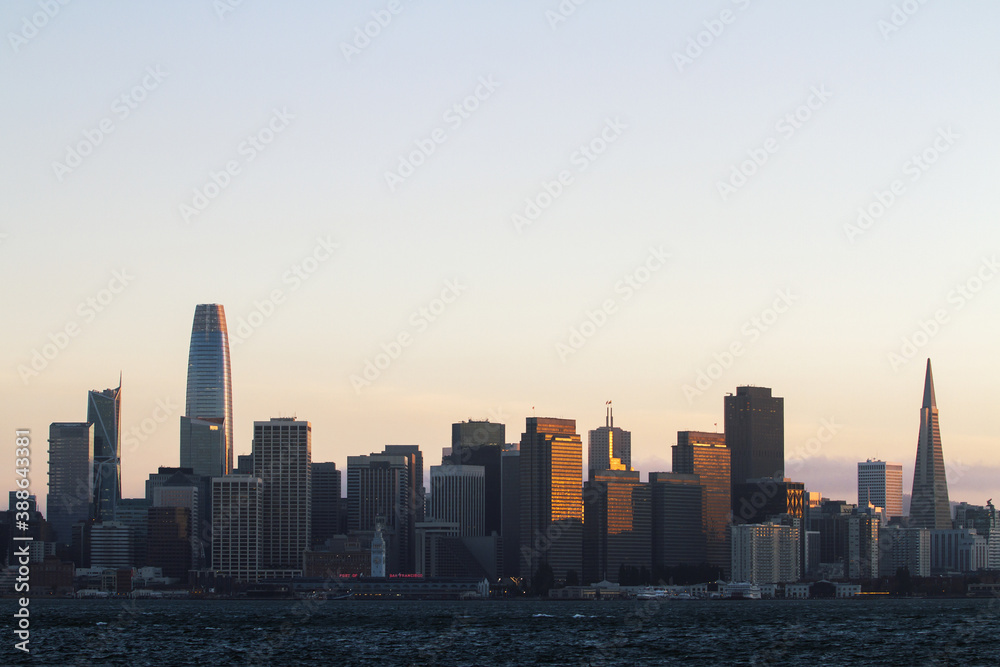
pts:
pixel 678 533
pixel 616 525
pixel 755 435
pixel 325 502
pixel 71 476
pixel 169 541
pixel 480 443
pixel 511 508
pixel 929 506
pixel 551 472
pixel 104 412
pixel 415 478
pixel 379 493
pixel 758 500
pixel 706 455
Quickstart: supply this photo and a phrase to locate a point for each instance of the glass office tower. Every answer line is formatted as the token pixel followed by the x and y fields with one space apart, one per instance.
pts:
pixel 209 379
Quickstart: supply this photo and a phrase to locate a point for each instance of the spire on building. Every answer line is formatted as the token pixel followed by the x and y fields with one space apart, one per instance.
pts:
pixel 929 506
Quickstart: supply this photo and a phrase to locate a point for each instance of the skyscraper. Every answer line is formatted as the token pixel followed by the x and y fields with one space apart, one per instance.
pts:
pixel 209 378
pixel 379 493
pixel 881 485
pixel 755 436
pixel 678 533
pixel 71 476
pixel 457 497
pixel 616 526
pixel 609 447
pixel 282 457
pixel 480 443
pixel 706 455
pixel 510 491
pixel 237 523
pixel 929 507
pixel 203 446
pixel 415 469
pixel 104 412
pixel 551 471
pixel 325 502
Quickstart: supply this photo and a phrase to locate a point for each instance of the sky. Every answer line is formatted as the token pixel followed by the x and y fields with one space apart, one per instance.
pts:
pixel 422 213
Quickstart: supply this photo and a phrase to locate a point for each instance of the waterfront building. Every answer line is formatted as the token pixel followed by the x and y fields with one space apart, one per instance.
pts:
pixel 617 525
pixel 765 553
pixel 706 455
pixel 237 526
pixel 551 503
pixel 282 455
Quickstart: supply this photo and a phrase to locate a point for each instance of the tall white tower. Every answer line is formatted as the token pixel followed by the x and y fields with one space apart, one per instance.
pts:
pixel 378 552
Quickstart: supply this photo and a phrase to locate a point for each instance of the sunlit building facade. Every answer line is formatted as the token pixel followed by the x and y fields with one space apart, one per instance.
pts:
pixel 616 525
pixel 880 484
pixel 706 455
pixel 551 478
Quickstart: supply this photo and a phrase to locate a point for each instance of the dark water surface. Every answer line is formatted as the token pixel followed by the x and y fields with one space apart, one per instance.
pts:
pixel 828 632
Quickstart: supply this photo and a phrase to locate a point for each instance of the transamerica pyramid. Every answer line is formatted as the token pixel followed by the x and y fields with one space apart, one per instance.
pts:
pixel 929 507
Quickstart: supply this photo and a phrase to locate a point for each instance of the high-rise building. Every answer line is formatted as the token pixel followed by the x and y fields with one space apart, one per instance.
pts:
pixel 104 412
pixel 415 475
pixel 863 544
pixel 325 502
pixel 706 455
pixel 678 531
pixel 187 497
pixel 551 478
pixel 616 526
pixel 379 493
pixel 880 484
pixel 758 500
pixel 282 457
pixel 71 476
pixel 765 553
pixel 510 488
pixel 203 446
pixel 169 542
pixel 480 443
pixel 237 525
pixel 755 434
pixel 609 447
pixel 929 507
pixel 209 377
pixel 904 547
pixel 111 545
pixel 457 496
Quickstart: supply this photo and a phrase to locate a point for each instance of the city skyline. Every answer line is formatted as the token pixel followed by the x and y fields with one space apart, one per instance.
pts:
pixel 620 203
